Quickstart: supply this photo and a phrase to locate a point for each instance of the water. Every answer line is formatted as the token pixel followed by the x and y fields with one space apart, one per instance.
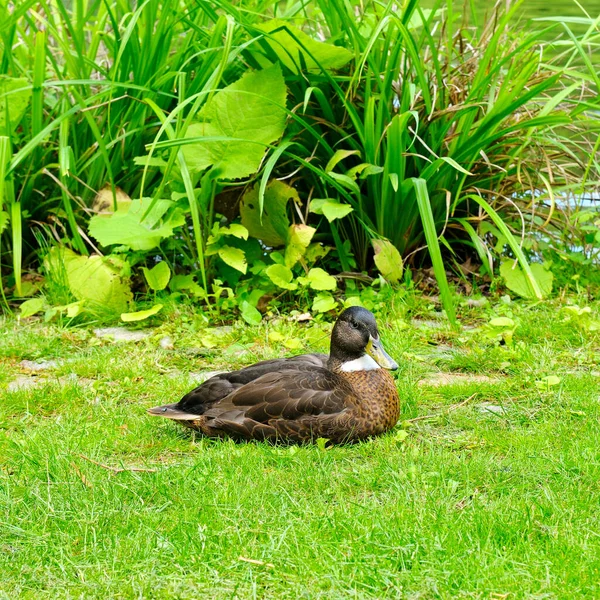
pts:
pixel 536 9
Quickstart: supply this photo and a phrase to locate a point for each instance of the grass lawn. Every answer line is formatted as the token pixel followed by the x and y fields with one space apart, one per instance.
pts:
pixel 494 494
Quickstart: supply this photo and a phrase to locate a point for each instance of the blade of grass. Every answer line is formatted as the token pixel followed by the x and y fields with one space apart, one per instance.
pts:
pixel 433 247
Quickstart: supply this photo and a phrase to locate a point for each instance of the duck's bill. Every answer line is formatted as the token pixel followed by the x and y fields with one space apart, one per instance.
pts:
pixel 380 356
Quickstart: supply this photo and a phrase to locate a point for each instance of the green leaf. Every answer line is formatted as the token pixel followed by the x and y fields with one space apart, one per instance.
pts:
pixel 548 382
pixel 149 161
pixel 332 209
pixel 31 307
pixel 318 279
pixel 290 42
pixel 250 111
pixel 281 276
pixel 126 228
pixel 74 308
pixel 158 276
pixel 299 237
pixel 364 170
pixel 454 164
pixel 502 322
pixel 98 280
pixel 324 302
pixel 338 156
pixel 388 260
pixel 272 229
pixel 234 257
pixel 186 283
pixel 516 280
pixel 140 315
pixel 250 314
pixel 15 101
pixel 236 230
pixel 531 280
pixel 4 218
pixel 293 343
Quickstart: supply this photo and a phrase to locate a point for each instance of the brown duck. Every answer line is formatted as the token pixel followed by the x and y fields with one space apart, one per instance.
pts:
pixel 343 397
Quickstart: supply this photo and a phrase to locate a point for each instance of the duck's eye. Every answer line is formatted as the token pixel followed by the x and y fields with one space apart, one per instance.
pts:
pixel 354 325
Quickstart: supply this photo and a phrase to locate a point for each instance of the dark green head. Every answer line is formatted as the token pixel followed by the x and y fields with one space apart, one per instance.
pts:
pixel 354 336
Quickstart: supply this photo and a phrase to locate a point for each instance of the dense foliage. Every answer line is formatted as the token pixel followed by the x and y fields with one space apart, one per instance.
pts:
pixel 240 156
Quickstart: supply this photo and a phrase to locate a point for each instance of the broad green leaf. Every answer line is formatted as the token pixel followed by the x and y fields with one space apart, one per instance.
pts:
pixel 318 279
pixel 31 307
pixel 516 280
pixel 126 228
pixel 388 260
pixel 97 280
pixel 290 42
pixel 299 237
pixel 250 111
pixel 234 257
pixel 158 276
pixel 331 208
pixel 281 276
pixel 250 314
pixel 15 101
pixel 140 315
pixel 324 302
pixel 273 228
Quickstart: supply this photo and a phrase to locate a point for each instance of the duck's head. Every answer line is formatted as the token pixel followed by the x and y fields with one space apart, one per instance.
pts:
pixel 355 343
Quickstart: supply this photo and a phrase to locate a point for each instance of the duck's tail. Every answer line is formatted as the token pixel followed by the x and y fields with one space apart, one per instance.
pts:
pixel 170 411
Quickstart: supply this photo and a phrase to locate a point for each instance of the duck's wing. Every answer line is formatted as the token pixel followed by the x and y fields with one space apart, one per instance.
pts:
pixel 292 404
pixel 220 386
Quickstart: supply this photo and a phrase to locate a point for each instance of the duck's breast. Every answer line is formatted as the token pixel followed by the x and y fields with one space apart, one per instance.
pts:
pixel 378 403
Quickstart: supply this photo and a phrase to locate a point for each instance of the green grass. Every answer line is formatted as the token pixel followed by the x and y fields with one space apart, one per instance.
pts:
pixel 470 504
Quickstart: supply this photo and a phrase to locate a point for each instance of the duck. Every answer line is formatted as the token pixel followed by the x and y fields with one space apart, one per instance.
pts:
pixel 346 396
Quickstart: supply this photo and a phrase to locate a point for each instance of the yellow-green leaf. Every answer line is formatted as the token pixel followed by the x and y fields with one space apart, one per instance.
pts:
pixel 299 237
pixel 281 276
pixel 289 42
pixel 324 302
pixel 158 276
pixel 251 113
pixel 31 307
pixel 517 282
pixel 250 314
pixel 332 209
pixel 140 315
pixel 14 98
pixel 272 229
pixel 234 257
pixel 388 260
pixel 100 281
